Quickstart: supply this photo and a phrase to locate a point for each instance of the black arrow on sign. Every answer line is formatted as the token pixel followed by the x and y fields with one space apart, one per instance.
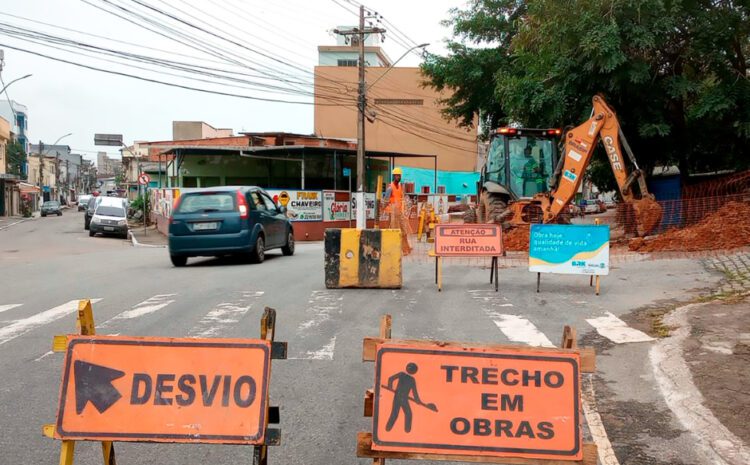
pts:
pixel 94 384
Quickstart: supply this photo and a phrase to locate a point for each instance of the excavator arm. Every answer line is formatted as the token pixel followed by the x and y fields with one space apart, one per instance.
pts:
pixel 579 146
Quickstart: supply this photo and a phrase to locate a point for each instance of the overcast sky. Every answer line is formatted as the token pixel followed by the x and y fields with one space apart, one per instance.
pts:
pixel 63 98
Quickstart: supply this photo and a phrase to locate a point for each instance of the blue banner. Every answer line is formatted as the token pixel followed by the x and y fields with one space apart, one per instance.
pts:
pixel 569 249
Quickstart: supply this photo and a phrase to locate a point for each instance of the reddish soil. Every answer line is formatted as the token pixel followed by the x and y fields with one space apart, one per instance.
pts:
pixel 726 228
pixel 517 239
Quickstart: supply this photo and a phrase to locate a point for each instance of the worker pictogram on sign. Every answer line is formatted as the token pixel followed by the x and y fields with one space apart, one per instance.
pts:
pixel 144 179
pixel 480 401
pixel 165 390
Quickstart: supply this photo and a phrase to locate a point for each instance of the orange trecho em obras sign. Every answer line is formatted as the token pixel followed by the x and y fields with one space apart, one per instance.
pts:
pixel 490 401
pixel 164 390
pixel 462 240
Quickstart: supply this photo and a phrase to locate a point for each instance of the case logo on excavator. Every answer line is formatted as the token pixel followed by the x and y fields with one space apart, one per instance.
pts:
pixel 609 144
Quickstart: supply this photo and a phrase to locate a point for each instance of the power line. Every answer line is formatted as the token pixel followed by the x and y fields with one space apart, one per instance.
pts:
pixel 156 81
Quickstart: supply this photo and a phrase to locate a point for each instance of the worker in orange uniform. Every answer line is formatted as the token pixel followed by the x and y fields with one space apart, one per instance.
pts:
pixel 394 197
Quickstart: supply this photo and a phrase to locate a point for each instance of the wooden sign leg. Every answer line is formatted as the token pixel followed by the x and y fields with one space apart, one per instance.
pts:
pixel 108 453
pixel 386 324
pixel 86 327
pixel 597 284
pixel 440 273
pixel 497 274
pixel 67 452
pixel 538 281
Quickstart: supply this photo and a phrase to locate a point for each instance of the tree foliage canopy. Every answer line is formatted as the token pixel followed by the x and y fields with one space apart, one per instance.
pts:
pixel 16 157
pixel 675 71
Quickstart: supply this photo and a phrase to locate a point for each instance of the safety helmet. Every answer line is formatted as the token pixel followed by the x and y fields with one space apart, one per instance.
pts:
pixel 397 171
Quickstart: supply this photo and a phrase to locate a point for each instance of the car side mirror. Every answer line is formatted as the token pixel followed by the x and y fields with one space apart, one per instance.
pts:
pixel 282 209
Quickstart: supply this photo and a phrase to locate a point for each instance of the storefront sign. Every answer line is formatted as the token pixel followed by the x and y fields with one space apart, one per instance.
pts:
pixel 369 201
pixel 569 249
pixel 336 206
pixel 300 205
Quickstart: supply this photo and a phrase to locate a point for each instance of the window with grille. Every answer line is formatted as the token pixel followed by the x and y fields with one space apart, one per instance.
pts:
pixel 347 62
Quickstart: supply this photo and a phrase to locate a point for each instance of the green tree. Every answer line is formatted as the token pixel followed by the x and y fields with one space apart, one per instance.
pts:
pixel 674 70
pixel 16 157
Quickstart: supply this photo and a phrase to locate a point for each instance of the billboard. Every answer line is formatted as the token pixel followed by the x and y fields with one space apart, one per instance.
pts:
pixel 300 205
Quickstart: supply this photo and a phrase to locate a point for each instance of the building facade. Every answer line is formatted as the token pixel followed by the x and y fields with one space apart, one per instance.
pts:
pixel 187 130
pixel 17 115
pixel 403 115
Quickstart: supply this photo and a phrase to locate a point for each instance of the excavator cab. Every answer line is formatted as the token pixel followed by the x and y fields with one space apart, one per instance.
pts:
pixel 520 164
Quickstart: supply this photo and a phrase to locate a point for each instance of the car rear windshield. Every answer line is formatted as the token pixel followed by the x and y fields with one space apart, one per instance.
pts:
pixel 207 203
pixel 104 210
pixel 51 204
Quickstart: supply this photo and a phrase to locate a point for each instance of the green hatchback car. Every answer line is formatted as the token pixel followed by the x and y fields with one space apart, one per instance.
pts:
pixel 230 220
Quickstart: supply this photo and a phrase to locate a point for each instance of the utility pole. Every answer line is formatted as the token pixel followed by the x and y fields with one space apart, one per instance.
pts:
pixel 361 32
pixel 41 168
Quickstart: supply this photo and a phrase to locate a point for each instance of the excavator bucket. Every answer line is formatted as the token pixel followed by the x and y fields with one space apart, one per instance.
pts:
pixel 648 215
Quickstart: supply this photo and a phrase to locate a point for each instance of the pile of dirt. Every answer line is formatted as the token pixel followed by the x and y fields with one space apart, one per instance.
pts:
pixel 517 239
pixel 726 228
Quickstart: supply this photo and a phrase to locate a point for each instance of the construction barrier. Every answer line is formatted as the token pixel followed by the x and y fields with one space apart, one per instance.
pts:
pixel 363 258
pixel 175 390
pixel 519 404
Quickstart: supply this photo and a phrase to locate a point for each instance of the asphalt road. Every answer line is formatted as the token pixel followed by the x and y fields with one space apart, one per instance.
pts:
pixel 49 262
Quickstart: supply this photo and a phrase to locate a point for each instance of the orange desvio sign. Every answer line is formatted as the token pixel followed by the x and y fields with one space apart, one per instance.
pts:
pixel 505 402
pixel 164 390
pixel 462 240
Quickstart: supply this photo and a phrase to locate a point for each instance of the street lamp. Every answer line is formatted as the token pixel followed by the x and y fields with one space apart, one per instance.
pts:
pixel 14 80
pixel 395 62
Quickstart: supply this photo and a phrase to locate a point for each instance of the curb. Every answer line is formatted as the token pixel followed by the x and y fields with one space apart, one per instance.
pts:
pixel 23 220
pixel 135 242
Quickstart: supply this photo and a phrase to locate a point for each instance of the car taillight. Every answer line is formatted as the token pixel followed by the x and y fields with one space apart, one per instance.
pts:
pixel 175 206
pixel 242 205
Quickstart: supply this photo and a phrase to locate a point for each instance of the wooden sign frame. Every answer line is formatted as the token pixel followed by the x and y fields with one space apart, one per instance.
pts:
pixel 86 327
pixel 364 439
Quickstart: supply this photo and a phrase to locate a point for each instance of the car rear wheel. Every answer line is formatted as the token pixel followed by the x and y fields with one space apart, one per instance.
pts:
pixel 178 260
pixel 288 249
pixel 59 213
pixel 91 233
pixel 259 252
pixel 44 214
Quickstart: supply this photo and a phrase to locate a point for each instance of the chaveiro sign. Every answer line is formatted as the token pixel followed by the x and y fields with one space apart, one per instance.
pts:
pixel 164 390
pixel 300 205
pixel 477 400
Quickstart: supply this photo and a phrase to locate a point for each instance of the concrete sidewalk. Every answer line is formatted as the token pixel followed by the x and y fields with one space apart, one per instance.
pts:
pixel 8 221
pixel 149 237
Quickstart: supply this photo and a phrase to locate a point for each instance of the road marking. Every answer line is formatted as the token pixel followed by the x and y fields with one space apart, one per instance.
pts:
pixel 23 326
pixel 617 330
pixel 519 329
pixel 324 353
pixel 714 441
pixel 151 305
pixel 5 308
pixel 516 328
pixel 323 304
pixel 46 354
pixel 223 315
pixel 603 446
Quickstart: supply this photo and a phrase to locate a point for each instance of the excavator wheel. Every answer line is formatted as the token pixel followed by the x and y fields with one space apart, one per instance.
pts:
pixel 493 208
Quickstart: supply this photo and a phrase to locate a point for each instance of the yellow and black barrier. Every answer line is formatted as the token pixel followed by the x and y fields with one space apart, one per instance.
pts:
pixel 366 258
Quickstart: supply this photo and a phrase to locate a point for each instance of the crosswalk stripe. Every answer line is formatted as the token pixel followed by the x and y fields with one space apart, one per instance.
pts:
pixel 150 305
pixel 516 328
pixel 617 330
pixel 23 326
pixel 519 329
pixel 6 307
pixel 323 304
pixel 224 314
